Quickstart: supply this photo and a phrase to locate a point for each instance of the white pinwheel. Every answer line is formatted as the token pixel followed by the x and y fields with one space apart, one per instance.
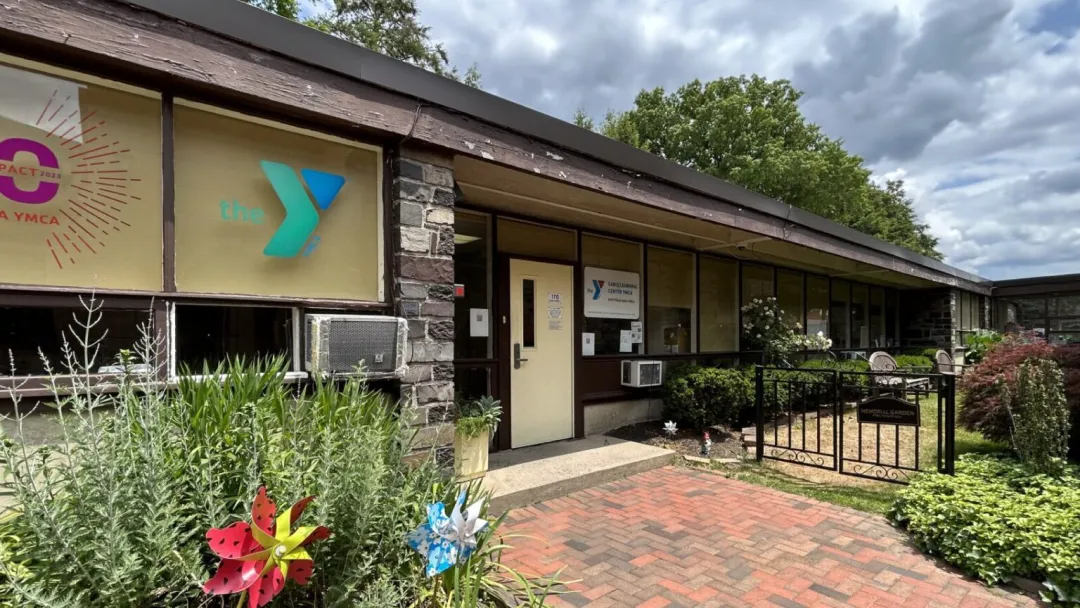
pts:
pixel 670 428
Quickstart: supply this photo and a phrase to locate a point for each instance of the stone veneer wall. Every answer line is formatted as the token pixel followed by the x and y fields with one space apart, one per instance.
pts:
pixel 422 228
pixel 928 318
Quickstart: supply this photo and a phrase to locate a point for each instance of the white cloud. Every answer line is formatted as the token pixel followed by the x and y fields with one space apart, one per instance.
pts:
pixel 974 103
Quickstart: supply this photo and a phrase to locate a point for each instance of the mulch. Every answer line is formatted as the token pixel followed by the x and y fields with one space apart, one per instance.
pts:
pixel 726 443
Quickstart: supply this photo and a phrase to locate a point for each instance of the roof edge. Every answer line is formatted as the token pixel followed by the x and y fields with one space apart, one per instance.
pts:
pixel 265 30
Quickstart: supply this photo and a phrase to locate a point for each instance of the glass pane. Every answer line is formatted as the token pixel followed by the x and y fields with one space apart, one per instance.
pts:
pixel 614 255
pixel 757 282
pixel 472 382
pixel 892 318
pixel 228 212
pixel 860 330
pixel 30 333
pixel 838 313
pixel 1065 325
pixel 528 313
pixel 472 271
pixel 1065 338
pixel 719 313
pixel 789 296
pixel 877 317
pixel 208 335
pixel 817 305
pixel 1031 313
pixel 80 196
pixel 1065 306
pixel 669 322
pixel 524 238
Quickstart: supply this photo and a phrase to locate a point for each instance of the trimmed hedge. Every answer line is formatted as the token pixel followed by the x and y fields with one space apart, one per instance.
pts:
pixel 995 520
pixel 700 397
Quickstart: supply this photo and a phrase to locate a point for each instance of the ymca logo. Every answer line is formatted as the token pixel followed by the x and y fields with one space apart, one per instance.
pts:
pixel 301 216
pixel 598 286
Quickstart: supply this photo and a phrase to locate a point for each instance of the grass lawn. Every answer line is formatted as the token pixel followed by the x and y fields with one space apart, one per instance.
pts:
pixel 857 493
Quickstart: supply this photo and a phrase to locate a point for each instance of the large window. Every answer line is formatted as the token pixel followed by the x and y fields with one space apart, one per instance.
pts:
pixel 616 264
pixel 670 318
pixel 817 305
pixel 757 282
pixel 1054 318
pixel 789 295
pixel 839 319
pixel 237 179
pixel 472 273
pixel 718 300
pixel 80 183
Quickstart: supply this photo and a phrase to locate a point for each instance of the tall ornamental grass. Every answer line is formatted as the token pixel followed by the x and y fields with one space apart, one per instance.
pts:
pixel 114 512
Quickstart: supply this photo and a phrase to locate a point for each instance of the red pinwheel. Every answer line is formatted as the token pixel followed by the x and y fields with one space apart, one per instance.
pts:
pixel 256 560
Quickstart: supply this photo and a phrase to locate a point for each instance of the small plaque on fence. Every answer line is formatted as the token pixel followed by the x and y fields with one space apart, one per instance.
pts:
pixel 888 410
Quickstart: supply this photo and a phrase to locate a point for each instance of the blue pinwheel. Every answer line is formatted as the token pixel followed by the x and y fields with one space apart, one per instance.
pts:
pixel 446 541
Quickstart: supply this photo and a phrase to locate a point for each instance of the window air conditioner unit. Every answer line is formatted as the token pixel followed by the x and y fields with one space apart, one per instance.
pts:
pixel 642 373
pixel 338 344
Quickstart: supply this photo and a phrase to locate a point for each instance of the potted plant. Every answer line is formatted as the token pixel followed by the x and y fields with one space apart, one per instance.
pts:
pixel 477 420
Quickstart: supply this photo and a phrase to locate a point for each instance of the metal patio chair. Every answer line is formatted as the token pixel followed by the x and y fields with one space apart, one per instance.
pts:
pixel 945 363
pixel 881 361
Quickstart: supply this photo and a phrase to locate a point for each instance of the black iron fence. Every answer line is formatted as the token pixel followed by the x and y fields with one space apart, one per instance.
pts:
pixel 867 424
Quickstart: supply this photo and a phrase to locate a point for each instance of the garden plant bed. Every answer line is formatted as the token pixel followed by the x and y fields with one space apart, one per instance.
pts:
pixel 726 443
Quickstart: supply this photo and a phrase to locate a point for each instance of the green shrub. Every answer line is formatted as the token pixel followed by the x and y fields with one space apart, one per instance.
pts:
pixel 1040 416
pixel 914 362
pixel 700 397
pixel 979 343
pixel 996 520
pixel 476 416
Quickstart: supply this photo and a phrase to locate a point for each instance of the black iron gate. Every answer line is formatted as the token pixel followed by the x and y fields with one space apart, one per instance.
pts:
pixel 867 424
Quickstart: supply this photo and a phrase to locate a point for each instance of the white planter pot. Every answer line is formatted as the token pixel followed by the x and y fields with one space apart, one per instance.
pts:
pixel 471 456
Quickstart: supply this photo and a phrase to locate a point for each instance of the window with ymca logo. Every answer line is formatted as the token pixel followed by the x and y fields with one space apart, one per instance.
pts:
pixel 267 209
pixel 80 181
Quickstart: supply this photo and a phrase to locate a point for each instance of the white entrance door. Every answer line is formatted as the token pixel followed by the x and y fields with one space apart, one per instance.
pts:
pixel 541 352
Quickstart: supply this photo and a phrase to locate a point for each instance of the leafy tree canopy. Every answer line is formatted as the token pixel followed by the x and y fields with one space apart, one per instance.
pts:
pixel 391 27
pixel 750 131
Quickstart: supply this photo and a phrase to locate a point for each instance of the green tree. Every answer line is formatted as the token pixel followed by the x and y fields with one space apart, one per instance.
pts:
pixel 750 131
pixel 391 27
pixel 583 120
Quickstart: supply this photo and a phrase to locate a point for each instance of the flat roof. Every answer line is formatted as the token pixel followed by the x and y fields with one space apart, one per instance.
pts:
pixel 270 32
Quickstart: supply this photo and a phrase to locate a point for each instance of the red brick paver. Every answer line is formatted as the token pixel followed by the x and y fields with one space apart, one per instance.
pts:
pixel 677 537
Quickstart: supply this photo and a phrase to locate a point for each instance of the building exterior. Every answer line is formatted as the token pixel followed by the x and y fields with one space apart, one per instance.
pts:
pixel 225 172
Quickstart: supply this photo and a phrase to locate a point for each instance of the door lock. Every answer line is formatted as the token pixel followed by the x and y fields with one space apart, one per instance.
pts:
pixel 517 356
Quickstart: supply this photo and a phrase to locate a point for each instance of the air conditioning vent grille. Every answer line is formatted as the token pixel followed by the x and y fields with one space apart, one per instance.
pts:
pixel 337 344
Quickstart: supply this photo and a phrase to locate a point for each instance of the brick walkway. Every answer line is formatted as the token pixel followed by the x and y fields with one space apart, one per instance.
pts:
pixel 677 537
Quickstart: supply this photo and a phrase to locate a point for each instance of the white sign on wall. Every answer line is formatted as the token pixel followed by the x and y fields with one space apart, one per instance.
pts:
pixel 612 294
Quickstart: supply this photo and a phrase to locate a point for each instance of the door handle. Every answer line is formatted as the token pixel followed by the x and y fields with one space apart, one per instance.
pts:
pixel 517 356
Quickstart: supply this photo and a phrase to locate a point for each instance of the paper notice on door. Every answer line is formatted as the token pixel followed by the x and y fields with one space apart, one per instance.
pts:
pixel 588 345
pixel 478 323
pixel 636 326
pixel 626 345
pixel 554 312
pixel 555 324
pixel 635 336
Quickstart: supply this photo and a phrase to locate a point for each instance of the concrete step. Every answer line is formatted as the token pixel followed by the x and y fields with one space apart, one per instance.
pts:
pixel 521 477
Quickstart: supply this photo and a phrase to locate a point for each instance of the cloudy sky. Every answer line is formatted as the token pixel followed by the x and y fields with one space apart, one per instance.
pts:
pixel 974 103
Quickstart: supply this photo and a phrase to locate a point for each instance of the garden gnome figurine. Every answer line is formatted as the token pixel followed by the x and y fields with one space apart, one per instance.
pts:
pixel 706 444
